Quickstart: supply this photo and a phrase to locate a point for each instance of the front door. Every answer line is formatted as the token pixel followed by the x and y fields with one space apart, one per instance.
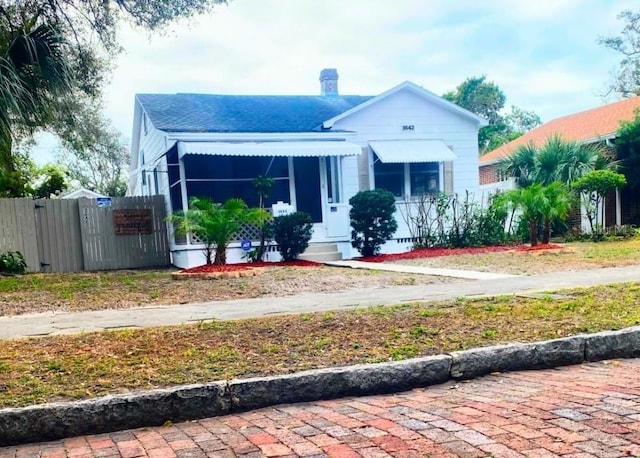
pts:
pixel 335 210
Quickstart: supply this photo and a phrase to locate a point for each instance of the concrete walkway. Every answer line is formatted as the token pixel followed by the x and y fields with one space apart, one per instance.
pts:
pixel 454 273
pixel 587 411
pixel 52 323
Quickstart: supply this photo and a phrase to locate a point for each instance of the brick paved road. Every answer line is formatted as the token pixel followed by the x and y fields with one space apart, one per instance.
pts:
pixel 580 411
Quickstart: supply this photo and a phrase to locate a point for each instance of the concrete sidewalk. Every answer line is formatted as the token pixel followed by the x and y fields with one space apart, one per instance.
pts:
pixel 52 323
pixel 454 273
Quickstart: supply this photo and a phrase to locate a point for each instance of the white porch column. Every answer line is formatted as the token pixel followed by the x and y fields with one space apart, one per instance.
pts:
pixel 292 183
pixel 183 191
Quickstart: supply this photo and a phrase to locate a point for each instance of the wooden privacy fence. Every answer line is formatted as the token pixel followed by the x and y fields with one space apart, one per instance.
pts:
pixel 59 235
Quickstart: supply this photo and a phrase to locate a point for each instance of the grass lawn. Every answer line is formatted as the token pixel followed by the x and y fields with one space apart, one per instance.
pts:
pixel 573 256
pixel 82 366
pixel 124 289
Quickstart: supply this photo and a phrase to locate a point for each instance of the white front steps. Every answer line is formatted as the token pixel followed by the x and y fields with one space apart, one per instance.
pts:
pixel 321 252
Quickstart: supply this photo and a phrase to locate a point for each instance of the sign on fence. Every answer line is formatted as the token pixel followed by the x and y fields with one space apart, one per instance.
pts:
pixel 130 222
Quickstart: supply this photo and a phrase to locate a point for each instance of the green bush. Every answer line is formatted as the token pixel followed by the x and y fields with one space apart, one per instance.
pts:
pixel 12 262
pixel 292 234
pixel 372 220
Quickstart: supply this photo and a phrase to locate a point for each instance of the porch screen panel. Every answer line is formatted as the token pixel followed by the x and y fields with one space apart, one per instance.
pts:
pixel 173 173
pixel 223 177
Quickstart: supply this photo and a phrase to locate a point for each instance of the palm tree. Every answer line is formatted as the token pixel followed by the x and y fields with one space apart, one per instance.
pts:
pixel 557 160
pixel 531 202
pixel 554 166
pixel 556 205
pixel 216 224
pixel 33 73
pixel 521 165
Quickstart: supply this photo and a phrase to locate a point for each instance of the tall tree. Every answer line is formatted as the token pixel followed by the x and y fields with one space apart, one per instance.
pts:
pixel 487 100
pixel 94 152
pixel 56 54
pixel 34 72
pixel 626 79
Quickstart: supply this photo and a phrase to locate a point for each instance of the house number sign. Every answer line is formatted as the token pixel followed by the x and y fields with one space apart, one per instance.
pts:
pixel 408 127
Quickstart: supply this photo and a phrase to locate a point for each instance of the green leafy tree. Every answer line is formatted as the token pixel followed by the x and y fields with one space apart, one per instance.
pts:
pixel 55 56
pixel 52 181
pixel 626 79
pixel 628 152
pixel 487 100
pixel 372 220
pixel 215 224
pixel 94 152
pixel 594 188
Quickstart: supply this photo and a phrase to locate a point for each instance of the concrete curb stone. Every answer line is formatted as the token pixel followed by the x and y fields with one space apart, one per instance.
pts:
pixel 624 343
pixel 152 408
pixel 358 380
pixel 476 362
pixel 111 413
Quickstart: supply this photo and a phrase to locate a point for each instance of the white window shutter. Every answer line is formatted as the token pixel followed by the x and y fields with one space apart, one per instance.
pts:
pixel 447 177
pixel 363 169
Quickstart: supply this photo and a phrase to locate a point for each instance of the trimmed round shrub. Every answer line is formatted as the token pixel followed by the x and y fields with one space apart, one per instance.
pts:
pixel 292 234
pixel 372 220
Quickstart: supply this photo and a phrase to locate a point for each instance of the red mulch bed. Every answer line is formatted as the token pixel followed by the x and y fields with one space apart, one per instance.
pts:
pixel 233 267
pixel 415 254
pixel 435 252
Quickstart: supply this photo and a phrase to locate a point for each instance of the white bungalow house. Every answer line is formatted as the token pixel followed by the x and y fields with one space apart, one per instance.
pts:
pixel 321 150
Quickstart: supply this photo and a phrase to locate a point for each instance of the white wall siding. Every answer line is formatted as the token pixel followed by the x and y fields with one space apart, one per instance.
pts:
pixel 385 119
pixel 153 145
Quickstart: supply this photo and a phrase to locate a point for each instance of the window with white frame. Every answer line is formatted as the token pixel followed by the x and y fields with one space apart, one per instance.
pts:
pixel 407 179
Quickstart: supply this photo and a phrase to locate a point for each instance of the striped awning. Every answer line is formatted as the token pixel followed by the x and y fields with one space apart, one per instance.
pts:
pixel 289 149
pixel 401 151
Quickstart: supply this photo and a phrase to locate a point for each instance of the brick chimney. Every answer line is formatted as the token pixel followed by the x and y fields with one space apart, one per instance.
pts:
pixel 329 81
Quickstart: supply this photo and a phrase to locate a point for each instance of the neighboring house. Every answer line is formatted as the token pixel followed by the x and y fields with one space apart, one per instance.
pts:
pixel 597 125
pixel 321 150
pixel 82 192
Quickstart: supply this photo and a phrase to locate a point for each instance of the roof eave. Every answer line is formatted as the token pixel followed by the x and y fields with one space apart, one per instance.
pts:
pixel 587 141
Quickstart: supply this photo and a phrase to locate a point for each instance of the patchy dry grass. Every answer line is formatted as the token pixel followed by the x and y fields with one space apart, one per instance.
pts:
pixel 122 289
pixel 574 256
pixel 82 366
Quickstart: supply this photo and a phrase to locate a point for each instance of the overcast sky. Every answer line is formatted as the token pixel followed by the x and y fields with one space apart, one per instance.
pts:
pixel 543 54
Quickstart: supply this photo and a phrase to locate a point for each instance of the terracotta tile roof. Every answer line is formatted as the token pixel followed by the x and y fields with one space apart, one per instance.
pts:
pixel 600 122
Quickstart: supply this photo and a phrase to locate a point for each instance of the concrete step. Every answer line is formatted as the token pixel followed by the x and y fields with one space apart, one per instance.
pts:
pixel 321 248
pixel 321 257
pixel 321 252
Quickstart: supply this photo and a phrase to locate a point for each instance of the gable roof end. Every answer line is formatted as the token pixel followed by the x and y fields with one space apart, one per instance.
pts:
pixel 480 122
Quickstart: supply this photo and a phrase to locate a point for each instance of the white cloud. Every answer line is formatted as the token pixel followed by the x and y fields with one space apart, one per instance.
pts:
pixel 543 54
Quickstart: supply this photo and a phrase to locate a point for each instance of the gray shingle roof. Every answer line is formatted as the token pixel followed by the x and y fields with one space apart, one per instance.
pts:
pixel 243 113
